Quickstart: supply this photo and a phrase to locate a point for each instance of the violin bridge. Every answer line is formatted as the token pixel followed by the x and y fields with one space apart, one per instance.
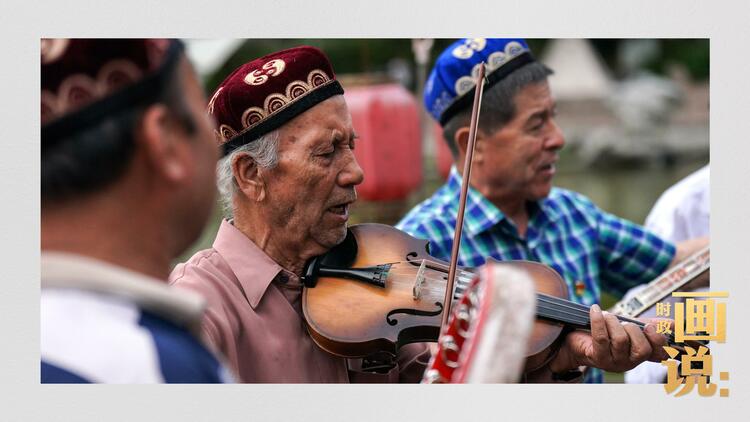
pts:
pixel 417 289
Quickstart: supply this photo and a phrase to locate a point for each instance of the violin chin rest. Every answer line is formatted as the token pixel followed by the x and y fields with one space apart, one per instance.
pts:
pixel 310 274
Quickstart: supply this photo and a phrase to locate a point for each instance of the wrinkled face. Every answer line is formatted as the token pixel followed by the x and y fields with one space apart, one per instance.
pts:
pixel 310 190
pixel 518 160
pixel 201 187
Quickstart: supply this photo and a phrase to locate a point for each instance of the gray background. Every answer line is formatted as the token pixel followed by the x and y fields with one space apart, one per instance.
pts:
pixel 23 23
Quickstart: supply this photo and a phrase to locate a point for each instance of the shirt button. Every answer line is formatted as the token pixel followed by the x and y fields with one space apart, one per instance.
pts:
pixel 580 288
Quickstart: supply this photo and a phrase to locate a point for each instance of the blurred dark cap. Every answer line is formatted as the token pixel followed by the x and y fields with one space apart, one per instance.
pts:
pixel 85 80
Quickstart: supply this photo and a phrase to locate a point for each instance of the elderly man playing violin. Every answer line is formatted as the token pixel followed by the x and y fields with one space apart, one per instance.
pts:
pixel 512 210
pixel 127 183
pixel 287 179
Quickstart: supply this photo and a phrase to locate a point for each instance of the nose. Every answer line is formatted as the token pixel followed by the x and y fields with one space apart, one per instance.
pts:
pixel 555 140
pixel 351 174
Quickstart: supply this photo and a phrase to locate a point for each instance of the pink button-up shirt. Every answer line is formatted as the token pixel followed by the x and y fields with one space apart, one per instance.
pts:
pixel 254 317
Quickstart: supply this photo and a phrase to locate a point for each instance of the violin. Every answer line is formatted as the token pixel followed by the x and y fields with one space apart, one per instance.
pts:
pixel 380 289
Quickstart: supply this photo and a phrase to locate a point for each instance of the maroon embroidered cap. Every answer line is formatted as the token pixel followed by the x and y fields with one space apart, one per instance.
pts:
pixel 262 95
pixel 84 80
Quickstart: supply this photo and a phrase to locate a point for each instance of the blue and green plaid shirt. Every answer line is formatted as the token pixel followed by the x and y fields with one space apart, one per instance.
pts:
pixel 566 231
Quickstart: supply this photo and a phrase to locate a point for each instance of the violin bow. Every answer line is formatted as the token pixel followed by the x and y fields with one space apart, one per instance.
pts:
pixel 466 176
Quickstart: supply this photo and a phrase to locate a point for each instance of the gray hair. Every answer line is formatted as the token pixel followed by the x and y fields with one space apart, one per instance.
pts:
pixel 264 151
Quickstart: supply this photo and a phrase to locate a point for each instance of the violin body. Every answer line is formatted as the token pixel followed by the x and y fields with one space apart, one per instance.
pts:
pixel 352 318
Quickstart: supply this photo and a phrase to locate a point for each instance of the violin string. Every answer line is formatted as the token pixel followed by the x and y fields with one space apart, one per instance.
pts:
pixel 461 284
pixel 575 309
pixel 561 310
pixel 579 309
pixel 438 291
pixel 404 278
pixel 572 306
pixel 413 266
pixel 428 264
pixel 545 309
pixel 547 306
pixel 411 270
pixel 546 312
pixel 464 281
pixel 569 303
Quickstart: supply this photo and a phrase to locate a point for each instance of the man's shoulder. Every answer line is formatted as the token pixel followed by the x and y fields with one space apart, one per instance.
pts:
pixel 204 269
pixel 430 218
pixel 208 274
pixel 562 195
pixel 101 338
pixel 568 202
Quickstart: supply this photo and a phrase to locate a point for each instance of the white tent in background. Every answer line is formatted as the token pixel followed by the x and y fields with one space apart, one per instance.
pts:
pixel 208 55
pixel 580 74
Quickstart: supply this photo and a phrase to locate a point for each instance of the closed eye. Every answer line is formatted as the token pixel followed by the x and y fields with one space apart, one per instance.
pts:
pixel 536 125
pixel 353 138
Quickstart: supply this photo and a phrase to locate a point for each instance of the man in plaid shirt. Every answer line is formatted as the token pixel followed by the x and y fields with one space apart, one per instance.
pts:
pixel 512 210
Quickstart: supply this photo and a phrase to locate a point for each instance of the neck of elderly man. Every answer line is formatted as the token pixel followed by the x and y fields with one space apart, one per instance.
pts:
pixel 255 223
pixel 513 161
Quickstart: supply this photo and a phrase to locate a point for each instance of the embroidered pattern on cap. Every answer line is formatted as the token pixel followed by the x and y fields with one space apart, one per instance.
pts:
pixel 80 89
pixel 274 102
pixel 467 50
pixel 260 76
pixel 495 60
pixel 211 102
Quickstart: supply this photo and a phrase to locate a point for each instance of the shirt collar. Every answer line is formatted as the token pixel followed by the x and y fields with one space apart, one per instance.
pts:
pixel 544 211
pixel 254 269
pixel 480 213
pixel 61 270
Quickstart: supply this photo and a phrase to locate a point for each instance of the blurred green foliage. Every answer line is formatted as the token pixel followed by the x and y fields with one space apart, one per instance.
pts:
pixel 694 54
pixel 371 55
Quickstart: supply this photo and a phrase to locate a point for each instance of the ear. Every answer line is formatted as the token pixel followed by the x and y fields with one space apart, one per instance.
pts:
pixel 249 177
pixel 163 144
pixel 462 142
pixel 461 138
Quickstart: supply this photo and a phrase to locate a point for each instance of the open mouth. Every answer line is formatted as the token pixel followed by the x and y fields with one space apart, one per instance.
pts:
pixel 548 167
pixel 339 209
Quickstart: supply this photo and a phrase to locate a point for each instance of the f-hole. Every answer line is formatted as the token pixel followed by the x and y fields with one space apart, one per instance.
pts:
pixel 393 321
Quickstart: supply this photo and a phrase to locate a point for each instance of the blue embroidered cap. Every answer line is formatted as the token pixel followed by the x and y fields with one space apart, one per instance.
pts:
pixel 450 87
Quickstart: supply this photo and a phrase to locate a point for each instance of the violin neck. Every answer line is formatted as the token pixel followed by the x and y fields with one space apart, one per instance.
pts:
pixel 577 315
pixel 567 312
pixel 570 313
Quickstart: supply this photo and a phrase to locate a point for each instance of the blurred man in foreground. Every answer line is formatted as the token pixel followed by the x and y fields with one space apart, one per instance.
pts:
pixel 127 184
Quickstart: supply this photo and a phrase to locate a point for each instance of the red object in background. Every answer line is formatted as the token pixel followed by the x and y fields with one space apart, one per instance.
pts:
pixel 386 118
pixel 443 157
